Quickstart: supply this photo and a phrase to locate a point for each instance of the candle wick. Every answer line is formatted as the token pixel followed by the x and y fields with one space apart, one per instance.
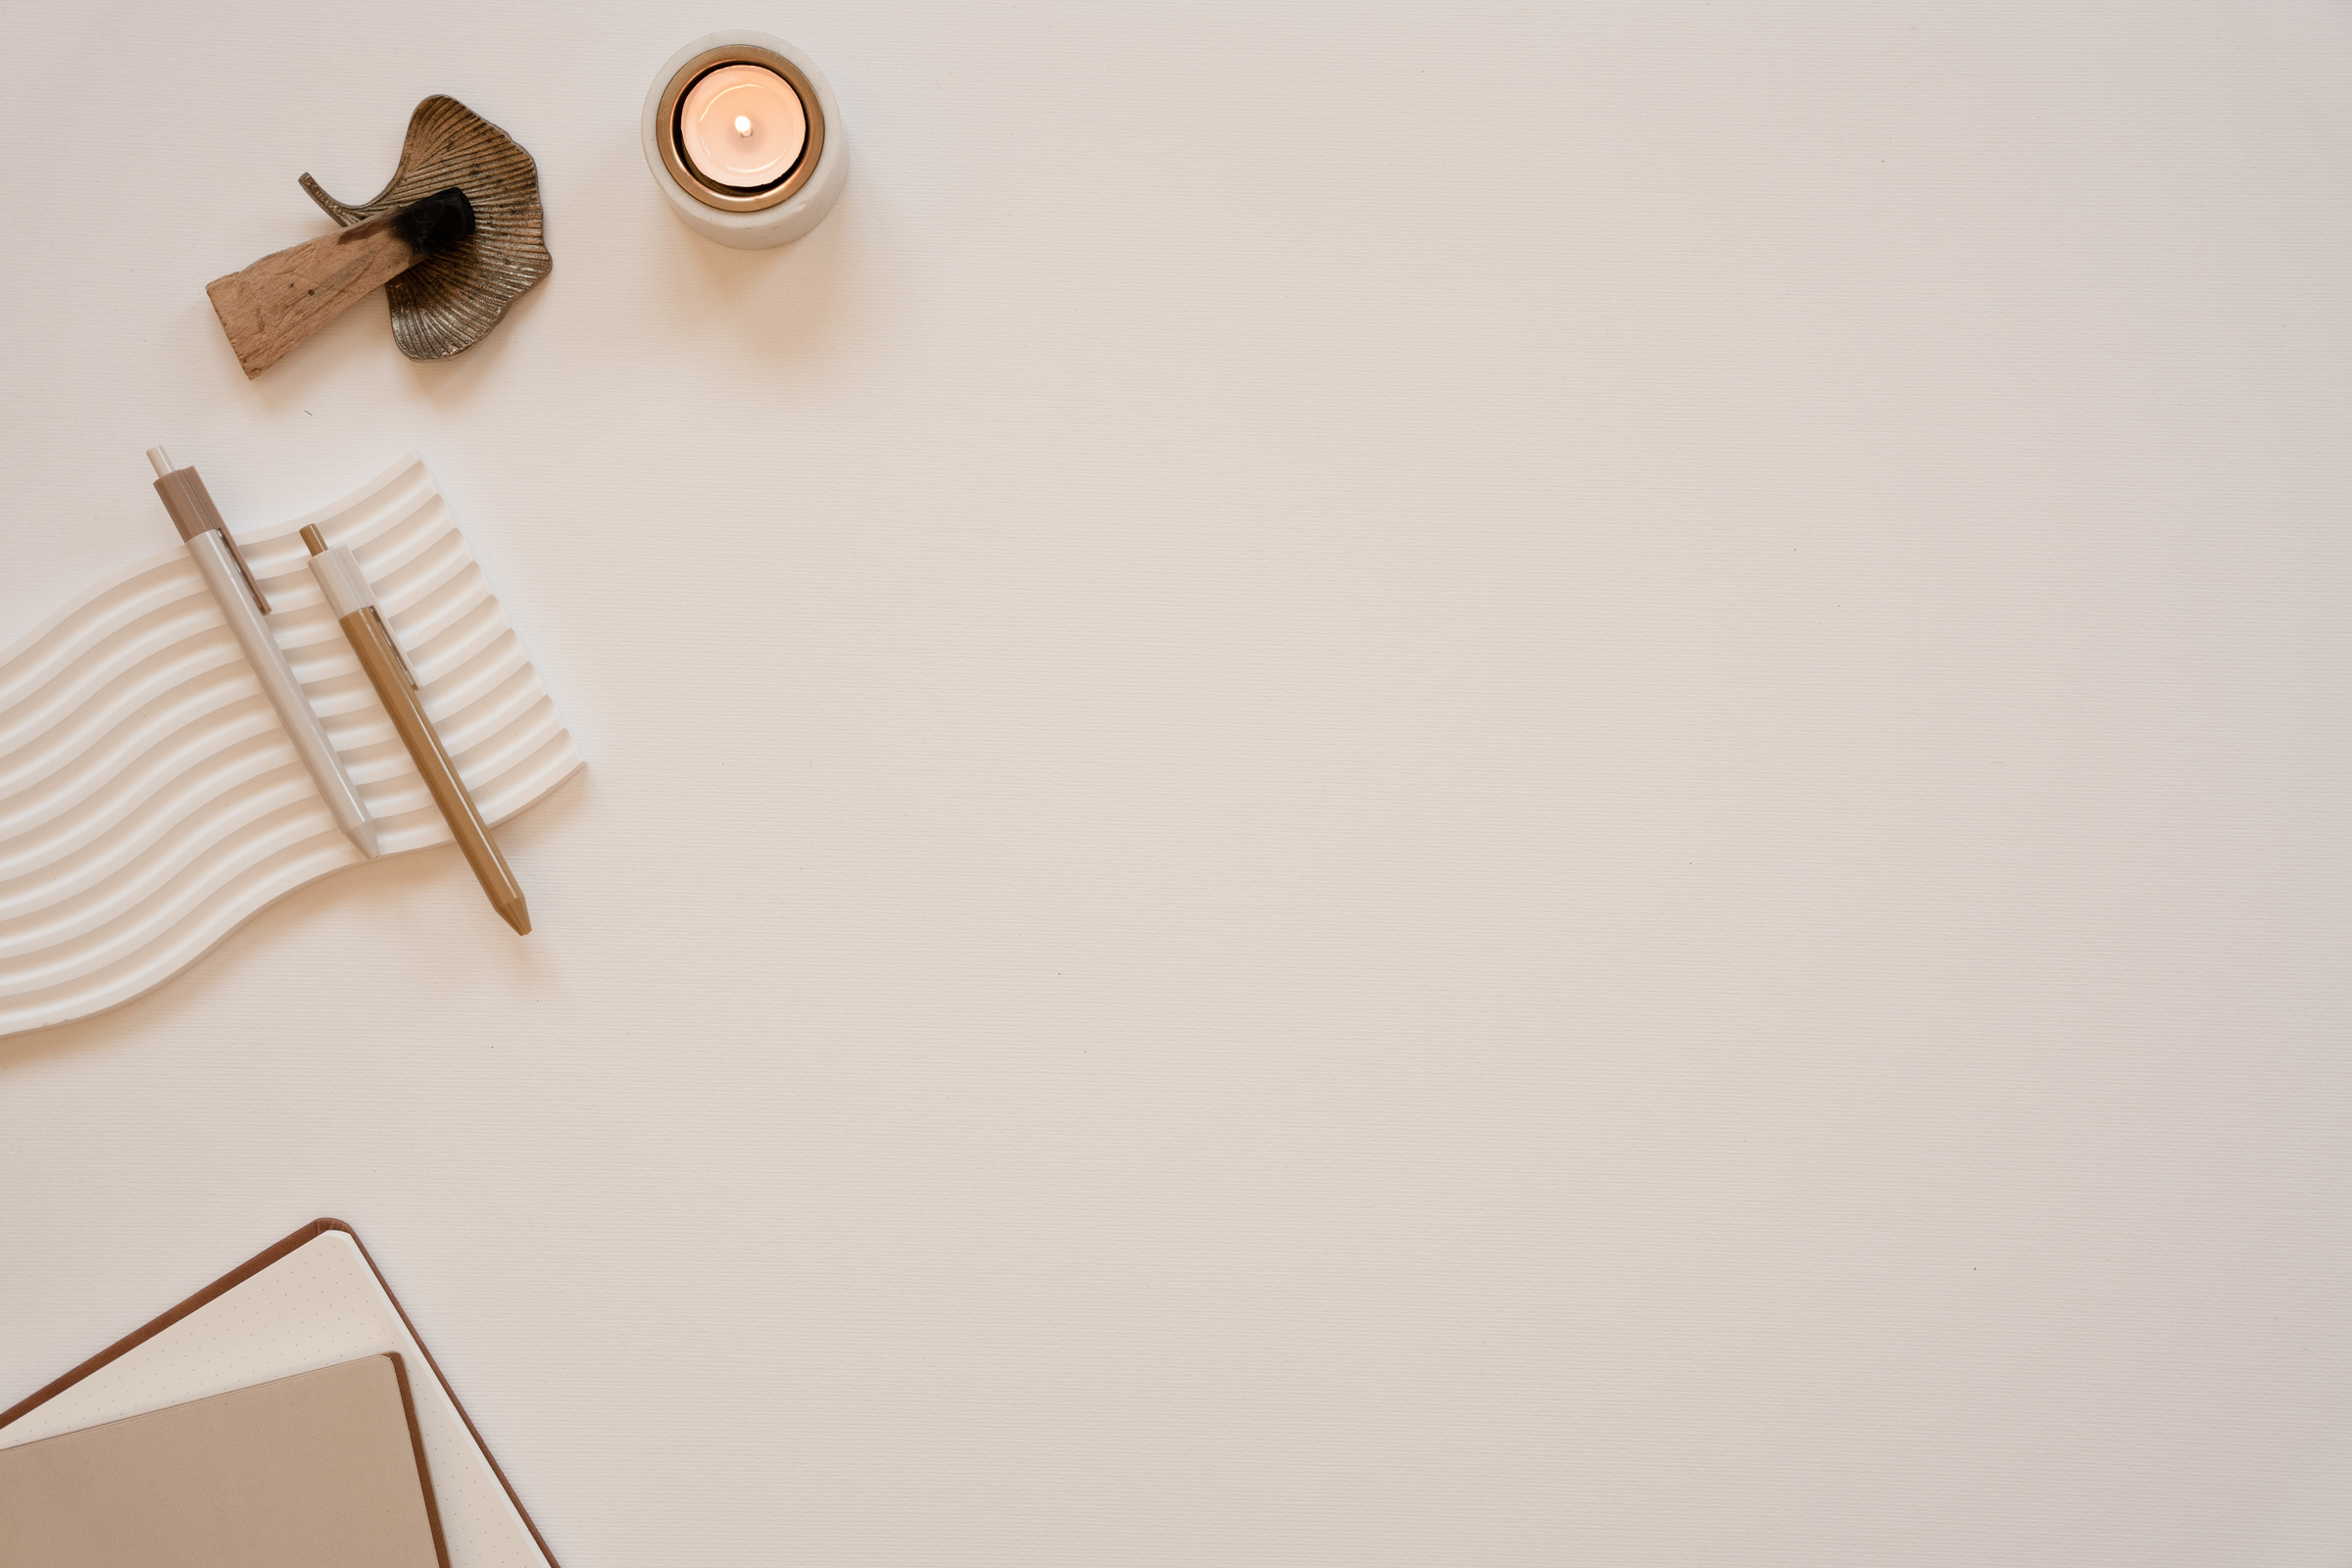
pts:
pixel 743 124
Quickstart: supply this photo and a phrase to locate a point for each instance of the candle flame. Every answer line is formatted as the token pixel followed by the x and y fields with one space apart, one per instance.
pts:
pixel 743 124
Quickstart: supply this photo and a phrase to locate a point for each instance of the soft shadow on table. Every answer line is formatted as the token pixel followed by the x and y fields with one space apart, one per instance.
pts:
pixel 782 305
pixel 238 967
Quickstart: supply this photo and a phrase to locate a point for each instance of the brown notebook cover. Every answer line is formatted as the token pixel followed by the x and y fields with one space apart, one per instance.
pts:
pixel 322 1467
pixel 238 1276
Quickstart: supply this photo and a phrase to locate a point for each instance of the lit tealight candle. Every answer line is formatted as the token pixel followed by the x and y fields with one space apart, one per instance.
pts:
pixel 743 135
pixel 742 126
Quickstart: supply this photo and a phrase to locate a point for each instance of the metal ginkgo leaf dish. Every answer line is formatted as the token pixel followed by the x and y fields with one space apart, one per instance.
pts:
pixel 449 302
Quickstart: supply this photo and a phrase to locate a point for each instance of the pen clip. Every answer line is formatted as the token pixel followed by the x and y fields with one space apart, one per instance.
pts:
pixel 345 586
pixel 252 584
pixel 392 642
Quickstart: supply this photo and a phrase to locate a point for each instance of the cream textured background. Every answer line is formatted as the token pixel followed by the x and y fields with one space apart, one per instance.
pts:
pixel 1367 785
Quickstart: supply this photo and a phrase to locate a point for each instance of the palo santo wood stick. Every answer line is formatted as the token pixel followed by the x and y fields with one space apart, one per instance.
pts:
pixel 284 298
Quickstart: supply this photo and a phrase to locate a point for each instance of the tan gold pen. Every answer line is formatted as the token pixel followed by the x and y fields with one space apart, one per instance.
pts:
pixel 354 604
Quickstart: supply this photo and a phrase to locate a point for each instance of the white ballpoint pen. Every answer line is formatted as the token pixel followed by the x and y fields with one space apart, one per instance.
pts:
pixel 243 606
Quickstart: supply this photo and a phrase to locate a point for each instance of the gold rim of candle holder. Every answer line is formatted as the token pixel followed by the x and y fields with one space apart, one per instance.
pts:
pixel 700 185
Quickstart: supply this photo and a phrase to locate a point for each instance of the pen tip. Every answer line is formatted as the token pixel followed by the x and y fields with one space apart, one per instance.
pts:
pixel 518 916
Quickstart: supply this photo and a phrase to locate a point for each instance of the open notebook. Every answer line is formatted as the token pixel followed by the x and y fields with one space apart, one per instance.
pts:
pixel 313 1301
pixel 322 1467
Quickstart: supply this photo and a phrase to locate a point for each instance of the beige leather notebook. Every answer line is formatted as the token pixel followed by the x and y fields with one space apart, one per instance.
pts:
pixel 324 1467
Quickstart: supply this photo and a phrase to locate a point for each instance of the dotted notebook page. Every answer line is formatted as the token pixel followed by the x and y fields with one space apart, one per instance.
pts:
pixel 317 1305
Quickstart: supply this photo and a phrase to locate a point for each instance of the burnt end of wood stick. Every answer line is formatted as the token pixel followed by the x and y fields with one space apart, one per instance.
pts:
pixel 284 297
pixel 436 223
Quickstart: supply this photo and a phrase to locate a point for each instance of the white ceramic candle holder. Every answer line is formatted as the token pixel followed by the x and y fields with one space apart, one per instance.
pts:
pixel 776 215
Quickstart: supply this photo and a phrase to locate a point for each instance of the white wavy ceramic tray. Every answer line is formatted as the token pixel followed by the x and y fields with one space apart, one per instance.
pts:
pixel 150 800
